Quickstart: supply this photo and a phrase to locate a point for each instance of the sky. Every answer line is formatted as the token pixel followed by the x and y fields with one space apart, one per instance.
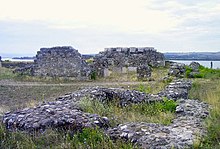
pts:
pixel 92 25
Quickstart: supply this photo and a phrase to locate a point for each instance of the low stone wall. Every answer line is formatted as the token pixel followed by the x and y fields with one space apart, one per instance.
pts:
pixel 181 133
pixel 65 113
pixel 15 65
pixel 177 69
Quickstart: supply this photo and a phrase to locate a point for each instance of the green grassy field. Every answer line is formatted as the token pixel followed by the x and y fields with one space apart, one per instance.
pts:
pixel 206 89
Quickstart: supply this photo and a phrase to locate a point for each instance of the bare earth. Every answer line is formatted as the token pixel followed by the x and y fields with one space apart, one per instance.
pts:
pixel 17 95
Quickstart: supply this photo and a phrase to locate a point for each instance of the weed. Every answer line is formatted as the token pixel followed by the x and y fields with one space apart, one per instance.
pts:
pixel 87 138
pixel 94 75
pixel 6 73
pixel 203 73
pixel 144 88
pixel 209 91
pixel 161 112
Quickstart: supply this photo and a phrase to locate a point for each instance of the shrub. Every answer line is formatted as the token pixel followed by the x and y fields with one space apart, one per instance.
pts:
pixel 203 73
pixel 93 75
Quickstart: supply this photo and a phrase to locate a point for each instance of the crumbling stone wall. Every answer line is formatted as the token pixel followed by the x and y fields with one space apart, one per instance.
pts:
pixel 16 65
pixel 60 62
pixel 127 57
pixel 66 114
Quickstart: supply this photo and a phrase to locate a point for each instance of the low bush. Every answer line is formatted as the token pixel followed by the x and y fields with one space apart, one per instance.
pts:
pixel 203 73
pixel 93 75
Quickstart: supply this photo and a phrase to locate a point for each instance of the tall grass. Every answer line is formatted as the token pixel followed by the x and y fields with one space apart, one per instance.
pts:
pixel 150 87
pixel 87 138
pixel 209 91
pixel 162 112
pixel 6 73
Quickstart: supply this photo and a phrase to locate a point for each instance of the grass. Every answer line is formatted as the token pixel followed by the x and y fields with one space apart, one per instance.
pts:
pixel 6 74
pixel 17 97
pixel 157 74
pixel 119 77
pixel 87 138
pixel 206 87
pixel 204 72
pixel 162 112
pixel 151 87
pixel 208 91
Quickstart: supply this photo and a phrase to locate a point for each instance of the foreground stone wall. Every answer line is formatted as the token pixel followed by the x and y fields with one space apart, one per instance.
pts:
pixel 185 128
pixel 120 57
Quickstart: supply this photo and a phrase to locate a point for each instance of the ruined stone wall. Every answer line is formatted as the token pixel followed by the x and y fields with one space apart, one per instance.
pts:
pixel 128 57
pixel 132 57
pixel 15 65
pixel 60 62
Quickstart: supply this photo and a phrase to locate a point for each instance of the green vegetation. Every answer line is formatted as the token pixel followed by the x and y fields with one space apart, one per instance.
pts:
pixel 161 112
pixel 206 88
pixel 87 138
pixel 94 75
pixel 6 74
pixel 152 87
pixel 203 73
pixel 119 77
pixel 144 88
pixel 89 61
pixel 209 91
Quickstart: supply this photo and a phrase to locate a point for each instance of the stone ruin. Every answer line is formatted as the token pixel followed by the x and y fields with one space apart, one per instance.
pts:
pixel 194 66
pixel 143 72
pixel 185 128
pixel 123 60
pixel 179 69
pixel 58 62
pixel 67 62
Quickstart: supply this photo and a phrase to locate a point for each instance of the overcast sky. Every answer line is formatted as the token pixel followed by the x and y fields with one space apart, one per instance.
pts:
pixel 92 25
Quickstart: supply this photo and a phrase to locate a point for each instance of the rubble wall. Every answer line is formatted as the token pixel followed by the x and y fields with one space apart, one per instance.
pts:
pixel 127 57
pixel 60 62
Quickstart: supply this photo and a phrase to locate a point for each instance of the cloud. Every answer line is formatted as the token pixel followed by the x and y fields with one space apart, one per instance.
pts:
pixel 120 15
pixel 91 25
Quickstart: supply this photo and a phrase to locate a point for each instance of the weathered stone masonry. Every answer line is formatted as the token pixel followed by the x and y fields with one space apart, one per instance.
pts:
pixel 58 62
pixel 126 59
pixel 61 62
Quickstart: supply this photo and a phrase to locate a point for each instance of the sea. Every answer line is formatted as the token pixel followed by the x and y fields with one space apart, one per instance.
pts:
pixel 216 64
